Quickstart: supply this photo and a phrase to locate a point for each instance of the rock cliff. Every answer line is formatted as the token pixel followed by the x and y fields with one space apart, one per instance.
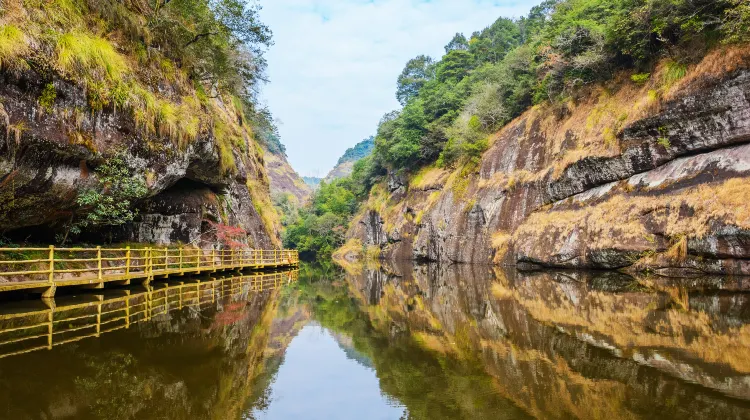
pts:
pixel 651 176
pixel 49 154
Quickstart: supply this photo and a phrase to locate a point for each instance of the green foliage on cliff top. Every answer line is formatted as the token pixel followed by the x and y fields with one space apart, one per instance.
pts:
pixel 359 151
pixel 562 45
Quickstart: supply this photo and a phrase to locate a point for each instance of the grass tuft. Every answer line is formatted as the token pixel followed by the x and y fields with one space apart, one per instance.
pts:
pixel 90 57
pixel 13 47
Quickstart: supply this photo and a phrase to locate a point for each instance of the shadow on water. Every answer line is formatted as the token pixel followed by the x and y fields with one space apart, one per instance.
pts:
pixel 422 342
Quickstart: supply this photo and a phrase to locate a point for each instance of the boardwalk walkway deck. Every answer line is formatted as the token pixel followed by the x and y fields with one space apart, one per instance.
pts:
pixel 45 269
pixel 35 325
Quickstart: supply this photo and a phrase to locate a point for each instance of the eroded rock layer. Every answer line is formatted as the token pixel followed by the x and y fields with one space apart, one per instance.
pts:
pixel 48 156
pixel 630 176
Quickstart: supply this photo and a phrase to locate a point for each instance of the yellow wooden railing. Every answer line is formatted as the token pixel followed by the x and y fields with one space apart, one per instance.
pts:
pixel 40 267
pixel 28 330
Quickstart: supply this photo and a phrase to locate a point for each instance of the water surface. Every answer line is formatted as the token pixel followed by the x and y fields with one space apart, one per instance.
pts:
pixel 422 342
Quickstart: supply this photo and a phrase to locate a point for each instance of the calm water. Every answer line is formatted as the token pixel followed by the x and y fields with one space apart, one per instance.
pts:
pixel 426 342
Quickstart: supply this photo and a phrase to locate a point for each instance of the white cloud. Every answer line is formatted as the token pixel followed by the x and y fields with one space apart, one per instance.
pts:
pixel 334 64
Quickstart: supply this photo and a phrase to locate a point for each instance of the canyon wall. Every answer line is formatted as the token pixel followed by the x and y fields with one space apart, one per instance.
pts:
pixel 48 156
pixel 650 176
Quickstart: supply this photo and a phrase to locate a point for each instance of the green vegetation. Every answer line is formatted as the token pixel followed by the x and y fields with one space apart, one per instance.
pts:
pixel 359 151
pixel 110 203
pixel 320 229
pixel 176 66
pixel 48 96
pixel 451 106
pixel 12 46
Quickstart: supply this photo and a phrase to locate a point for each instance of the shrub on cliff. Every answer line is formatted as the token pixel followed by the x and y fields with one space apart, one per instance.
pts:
pixel 110 203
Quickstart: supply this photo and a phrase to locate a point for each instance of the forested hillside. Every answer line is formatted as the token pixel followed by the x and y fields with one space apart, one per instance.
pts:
pixel 345 164
pixel 452 105
pixel 579 95
pixel 163 92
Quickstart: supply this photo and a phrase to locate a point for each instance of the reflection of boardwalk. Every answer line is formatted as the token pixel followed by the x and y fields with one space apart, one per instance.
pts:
pixel 45 269
pixel 27 330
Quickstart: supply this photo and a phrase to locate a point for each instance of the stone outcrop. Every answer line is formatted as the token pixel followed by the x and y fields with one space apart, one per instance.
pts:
pixel 49 155
pixel 631 177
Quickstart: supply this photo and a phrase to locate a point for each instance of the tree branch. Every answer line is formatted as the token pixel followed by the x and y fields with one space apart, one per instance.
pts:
pixel 199 37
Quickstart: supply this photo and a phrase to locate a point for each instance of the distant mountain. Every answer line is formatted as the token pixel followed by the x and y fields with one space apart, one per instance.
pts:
pixel 312 181
pixel 345 165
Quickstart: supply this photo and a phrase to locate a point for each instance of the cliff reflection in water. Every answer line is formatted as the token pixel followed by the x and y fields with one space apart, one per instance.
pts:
pixel 578 345
pixel 421 342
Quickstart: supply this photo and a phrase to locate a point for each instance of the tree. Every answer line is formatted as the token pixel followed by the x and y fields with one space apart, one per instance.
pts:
pixel 220 42
pixel 454 66
pixel 459 42
pixel 492 44
pixel 417 72
pixel 737 22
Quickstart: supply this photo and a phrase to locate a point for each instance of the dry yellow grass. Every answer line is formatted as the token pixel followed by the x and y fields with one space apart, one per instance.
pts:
pixel 617 220
pixel 714 66
pixel 500 243
pixel 428 178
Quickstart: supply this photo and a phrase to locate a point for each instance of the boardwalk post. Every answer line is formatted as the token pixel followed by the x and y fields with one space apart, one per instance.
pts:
pixel 49 292
pixel 99 261
pixel 127 262
pixel 99 318
pixel 149 268
pixel 198 263
pixel 51 264
pixel 213 259
pixel 180 259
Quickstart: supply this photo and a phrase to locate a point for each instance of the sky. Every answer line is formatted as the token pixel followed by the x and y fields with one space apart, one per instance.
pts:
pixel 334 64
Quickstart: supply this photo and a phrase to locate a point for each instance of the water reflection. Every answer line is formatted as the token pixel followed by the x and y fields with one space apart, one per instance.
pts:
pixel 324 377
pixel 580 345
pixel 401 341
pixel 175 351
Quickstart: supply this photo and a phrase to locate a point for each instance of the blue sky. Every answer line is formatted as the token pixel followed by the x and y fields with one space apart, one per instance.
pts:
pixel 334 64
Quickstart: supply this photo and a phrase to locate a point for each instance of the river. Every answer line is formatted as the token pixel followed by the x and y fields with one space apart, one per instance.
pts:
pixel 386 342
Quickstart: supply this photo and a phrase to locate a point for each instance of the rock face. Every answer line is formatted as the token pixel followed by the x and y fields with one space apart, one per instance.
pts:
pixel 632 177
pixel 284 179
pixel 49 155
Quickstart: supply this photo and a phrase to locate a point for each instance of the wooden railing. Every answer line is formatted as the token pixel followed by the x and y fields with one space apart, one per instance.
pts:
pixel 35 329
pixel 25 268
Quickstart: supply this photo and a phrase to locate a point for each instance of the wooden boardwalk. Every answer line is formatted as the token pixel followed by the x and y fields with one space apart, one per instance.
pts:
pixel 45 269
pixel 37 325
